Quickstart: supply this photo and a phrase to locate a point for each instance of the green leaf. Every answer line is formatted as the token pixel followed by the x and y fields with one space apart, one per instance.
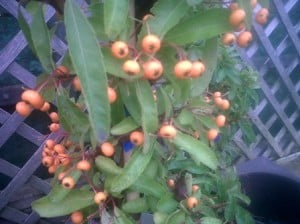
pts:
pixel 211 220
pixel 264 3
pixel 200 26
pixel 188 165
pixel 108 166
pixel 117 109
pixel 207 121
pixel 167 204
pixel 229 211
pixel 148 106
pixel 185 117
pixel 76 200
pixel 132 170
pixel 159 217
pixel 148 186
pixel 129 98
pixel 243 216
pixel 120 217
pixel 97 20
pixel 125 126
pixel 138 205
pixel 210 51
pixel 247 130
pixel 167 13
pixel 88 63
pixel 72 118
pixel 248 9
pixel 41 38
pixel 115 17
pixel 198 151
pixel 164 104
pixel 176 217
pixel 25 29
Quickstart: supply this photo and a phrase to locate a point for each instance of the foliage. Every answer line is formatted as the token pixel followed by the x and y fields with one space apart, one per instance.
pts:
pixel 173 113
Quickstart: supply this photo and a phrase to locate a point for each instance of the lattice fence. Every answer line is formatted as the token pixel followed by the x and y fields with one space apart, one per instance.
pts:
pixel 275 53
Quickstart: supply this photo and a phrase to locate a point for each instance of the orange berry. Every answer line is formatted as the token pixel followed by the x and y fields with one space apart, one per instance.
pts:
pixel 151 43
pixel 192 202
pixel 50 143
pixel 61 70
pixel 217 94
pixel 61 175
pixel 198 68
pixel 107 149
pixel 54 117
pixel 47 161
pixel 64 159
pixel 83 165
pixel 137 138
pixel 253 3
pixel 171 183
pixel 76 84
pixel 183 69
pixel 100 197
pixel 167 131
pixel 45 107
pixel 146 17
pixel 233 6
pixel 131 67
pixel 237 17
pixel 23 108
pixel 228 38
pixel 195 188
pixel 52 169
pixel 152 69
pixel 77 217
pixel 261 16
pixel 59 148
pixel 244 39
pixel 218 101
pixel 225 105
pixel 212 134
pixel 112 94
pixel 119 49
pixel 33 98
pixel 54 127
pixel 220 120
pixel 68 182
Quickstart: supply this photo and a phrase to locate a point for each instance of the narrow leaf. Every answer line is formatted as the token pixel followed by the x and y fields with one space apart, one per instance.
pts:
pixel 199 151
pixel 164 103
pixel 76 200
pixel 148 186
pixel 211 220
pixel 88 63
pixel 125 126
pixel 200 26
pixel 138 205
pixel 167 204
pixel 108 166
pixel 115 17
pixel 41 38
pixel 120 217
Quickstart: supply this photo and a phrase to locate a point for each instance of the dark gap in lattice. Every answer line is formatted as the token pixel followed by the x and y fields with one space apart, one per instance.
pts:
pixel 276 126
pixel 8 27
pixel 17 150
pixel 5 221
pixel 296 123
pixel 261 147
pixel 6 79
pixel 281 93
pixel 289 54
pixel 295 74
pixel 278 34
pixel 265 114
pixel 42 172
pixel 39 121
pixel 260 56
pixel 4 180
pixel 271 77
pixel 294 13
pixel 29 61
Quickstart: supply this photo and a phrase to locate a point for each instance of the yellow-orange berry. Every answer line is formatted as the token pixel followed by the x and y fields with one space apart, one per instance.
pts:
pixel 152 69
pixel 68 182
pixel 228 38
pixel 83 165
pixel 151 43
pixel 261 16
pixel 54 117
pixel 61 175
pixel 119 49
pixel 47 161
pixel 212 134
pixel 62 70
pixel 244 39
pixel 218 101
pixel 112 94
pixel 50 143
pixel 220 120
pixel 198 68
pixel 195 188
pixel 59 148
pixel 225 105
pixel 52 169
pixel 237 17
pixel 33 98
pixel 76 84
pixel 131 67
pixel 171 183
pixel 233 6
pixel 77 217
pixel 23 108
pixel 183 69
pixel 45 107
pixel 253 3
pixel 217 94
pixel 137 138
pixel 100 197
pixel 167 131
pixel 192 202
pixel 53 127
pixel 107 149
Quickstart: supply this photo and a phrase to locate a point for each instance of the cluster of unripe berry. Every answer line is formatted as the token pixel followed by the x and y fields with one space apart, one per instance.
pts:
pixel 237 20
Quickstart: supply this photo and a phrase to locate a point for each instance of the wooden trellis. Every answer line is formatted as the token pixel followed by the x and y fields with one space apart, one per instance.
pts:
pixel 279 68
pixel 275 53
